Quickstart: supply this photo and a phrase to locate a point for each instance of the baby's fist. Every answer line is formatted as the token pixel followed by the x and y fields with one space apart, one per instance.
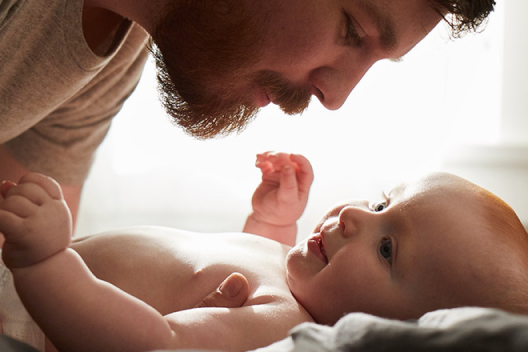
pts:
pixel 34 220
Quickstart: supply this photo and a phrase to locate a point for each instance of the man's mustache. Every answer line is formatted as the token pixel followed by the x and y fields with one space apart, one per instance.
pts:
pixel 291 100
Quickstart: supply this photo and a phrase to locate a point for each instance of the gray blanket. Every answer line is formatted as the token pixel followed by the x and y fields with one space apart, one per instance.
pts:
pixel 460 329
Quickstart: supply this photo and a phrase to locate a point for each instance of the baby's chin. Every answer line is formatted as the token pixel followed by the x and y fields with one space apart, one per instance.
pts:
pixel 297 248
pixel 294 252
pixel 291 253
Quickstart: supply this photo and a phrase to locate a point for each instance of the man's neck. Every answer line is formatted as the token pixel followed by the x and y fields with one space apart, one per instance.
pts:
pixel 100 27
pixel 143 12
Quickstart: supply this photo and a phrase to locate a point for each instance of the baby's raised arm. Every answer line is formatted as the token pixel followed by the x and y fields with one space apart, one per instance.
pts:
pixel 281 197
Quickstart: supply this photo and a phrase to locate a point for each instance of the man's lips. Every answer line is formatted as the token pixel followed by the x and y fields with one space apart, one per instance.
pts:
pixel 316 246
pixel 262 98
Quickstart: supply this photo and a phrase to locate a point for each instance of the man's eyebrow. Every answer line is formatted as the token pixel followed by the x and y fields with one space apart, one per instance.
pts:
pixel 384 24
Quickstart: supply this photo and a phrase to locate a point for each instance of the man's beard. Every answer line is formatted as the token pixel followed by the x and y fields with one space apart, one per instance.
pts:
pixel 203 50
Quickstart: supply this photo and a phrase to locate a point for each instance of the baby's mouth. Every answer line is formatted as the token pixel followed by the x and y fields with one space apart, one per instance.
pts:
pixel 319 242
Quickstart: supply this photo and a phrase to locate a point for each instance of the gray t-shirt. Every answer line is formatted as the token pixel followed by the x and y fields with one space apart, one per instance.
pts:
pixel 57 98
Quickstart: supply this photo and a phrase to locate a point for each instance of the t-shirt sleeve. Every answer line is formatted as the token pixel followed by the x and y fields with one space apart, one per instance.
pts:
pixel 63 144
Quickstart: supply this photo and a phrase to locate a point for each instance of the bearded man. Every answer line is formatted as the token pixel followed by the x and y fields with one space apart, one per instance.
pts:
pixel 67 66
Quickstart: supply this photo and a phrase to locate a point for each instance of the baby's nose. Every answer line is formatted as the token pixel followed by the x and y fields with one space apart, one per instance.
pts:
pixel 353 219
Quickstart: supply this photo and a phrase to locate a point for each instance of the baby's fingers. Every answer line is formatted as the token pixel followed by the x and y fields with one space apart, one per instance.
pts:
pixel 288 191
pixel 263 164
pixel 272 161
pixel 49 185
pixel 19 206
pixel 31 191
pixel 5 187
pixel 305 174
pixel 9 222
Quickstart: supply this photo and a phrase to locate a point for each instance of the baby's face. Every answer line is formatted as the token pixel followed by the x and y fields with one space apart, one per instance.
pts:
pixel 422 248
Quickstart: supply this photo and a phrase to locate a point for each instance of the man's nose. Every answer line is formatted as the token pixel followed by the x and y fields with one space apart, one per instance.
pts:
pixel 355 220
pixel 335 82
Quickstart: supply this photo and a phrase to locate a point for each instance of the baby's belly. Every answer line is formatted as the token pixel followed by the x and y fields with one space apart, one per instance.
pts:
pixel 173 271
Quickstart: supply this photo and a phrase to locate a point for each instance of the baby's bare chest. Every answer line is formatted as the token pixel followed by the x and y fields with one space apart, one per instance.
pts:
pixel 173 273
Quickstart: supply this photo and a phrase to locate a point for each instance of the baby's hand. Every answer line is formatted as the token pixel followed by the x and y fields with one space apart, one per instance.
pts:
pixel 34 220
pixel 281 197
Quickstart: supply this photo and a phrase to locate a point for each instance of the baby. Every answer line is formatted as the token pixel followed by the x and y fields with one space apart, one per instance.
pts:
pixel 439 242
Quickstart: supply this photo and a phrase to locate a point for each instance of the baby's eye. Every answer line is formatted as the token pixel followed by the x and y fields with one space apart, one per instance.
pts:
pixel 380 206
pixel 385 249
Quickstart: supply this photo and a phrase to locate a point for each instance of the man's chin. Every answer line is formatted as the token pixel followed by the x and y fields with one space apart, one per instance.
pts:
pixel 213 125
pixel 296 110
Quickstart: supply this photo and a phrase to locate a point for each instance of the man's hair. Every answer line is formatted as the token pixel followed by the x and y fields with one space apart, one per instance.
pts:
pixel 464 16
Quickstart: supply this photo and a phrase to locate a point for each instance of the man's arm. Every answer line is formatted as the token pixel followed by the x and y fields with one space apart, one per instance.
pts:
pixel 11 169
pixel 281 197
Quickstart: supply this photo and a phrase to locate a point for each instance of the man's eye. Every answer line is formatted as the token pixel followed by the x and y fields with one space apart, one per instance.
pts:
pixel 351 37
pixel 380 206
pixel 385 249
